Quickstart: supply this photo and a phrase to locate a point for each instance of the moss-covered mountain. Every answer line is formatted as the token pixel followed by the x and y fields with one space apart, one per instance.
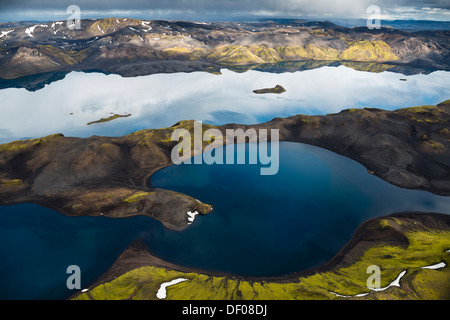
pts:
pixel 136 47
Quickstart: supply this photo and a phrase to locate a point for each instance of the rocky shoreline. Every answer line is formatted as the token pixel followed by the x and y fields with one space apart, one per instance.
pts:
pixel 111 176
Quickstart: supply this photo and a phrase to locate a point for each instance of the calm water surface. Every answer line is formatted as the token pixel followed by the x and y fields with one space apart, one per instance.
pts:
pixel 271 225
pixel 161 100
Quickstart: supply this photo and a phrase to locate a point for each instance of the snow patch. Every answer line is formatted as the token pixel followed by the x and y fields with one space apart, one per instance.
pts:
pixel 146 24
pixel 395 283
pixel 5 33
pixel 162 292
pixel 436 266
pixel 29 31
pixel 358 295
pixel 55 23
pixel 191 216
pixel 100 29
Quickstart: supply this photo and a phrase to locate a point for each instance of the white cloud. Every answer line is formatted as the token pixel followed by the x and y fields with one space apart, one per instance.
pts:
pixel 414 9
pixel 163 99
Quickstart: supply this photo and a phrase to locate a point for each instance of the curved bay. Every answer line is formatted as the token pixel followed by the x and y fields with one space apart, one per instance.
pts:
pixel 261 226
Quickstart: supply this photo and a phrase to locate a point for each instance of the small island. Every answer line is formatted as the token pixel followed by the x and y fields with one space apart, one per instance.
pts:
pixel 113 117
pixel 277 89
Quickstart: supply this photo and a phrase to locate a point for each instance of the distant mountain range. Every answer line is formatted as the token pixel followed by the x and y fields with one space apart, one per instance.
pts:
pixel 404 25
pixel 417 25
pixel 132 47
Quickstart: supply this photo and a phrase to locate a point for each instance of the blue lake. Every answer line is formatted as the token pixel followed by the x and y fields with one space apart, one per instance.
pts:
pixel 261 225
pixel 271 225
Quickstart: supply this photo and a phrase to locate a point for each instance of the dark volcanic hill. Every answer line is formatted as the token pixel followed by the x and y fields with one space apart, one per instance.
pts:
pixel 133 47
pixel 111 176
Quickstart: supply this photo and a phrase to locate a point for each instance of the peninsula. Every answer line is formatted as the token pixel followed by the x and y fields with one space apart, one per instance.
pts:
pixel 110 176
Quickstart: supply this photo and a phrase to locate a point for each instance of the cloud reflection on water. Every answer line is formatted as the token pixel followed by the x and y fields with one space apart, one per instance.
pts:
pixel 161 100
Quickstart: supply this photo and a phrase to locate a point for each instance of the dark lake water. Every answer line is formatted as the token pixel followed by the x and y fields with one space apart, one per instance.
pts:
pixel 261 226
pixel 291 221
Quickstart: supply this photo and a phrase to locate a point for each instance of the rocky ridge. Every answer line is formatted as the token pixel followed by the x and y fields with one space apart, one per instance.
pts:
pixel 132 47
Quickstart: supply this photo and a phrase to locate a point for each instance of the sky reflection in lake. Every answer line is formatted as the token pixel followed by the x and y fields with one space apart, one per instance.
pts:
pixel 161 100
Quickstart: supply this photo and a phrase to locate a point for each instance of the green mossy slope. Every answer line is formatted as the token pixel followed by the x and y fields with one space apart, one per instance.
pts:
pixel 425 246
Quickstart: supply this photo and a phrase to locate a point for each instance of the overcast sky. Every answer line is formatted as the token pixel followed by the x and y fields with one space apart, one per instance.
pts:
pixel 390 9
